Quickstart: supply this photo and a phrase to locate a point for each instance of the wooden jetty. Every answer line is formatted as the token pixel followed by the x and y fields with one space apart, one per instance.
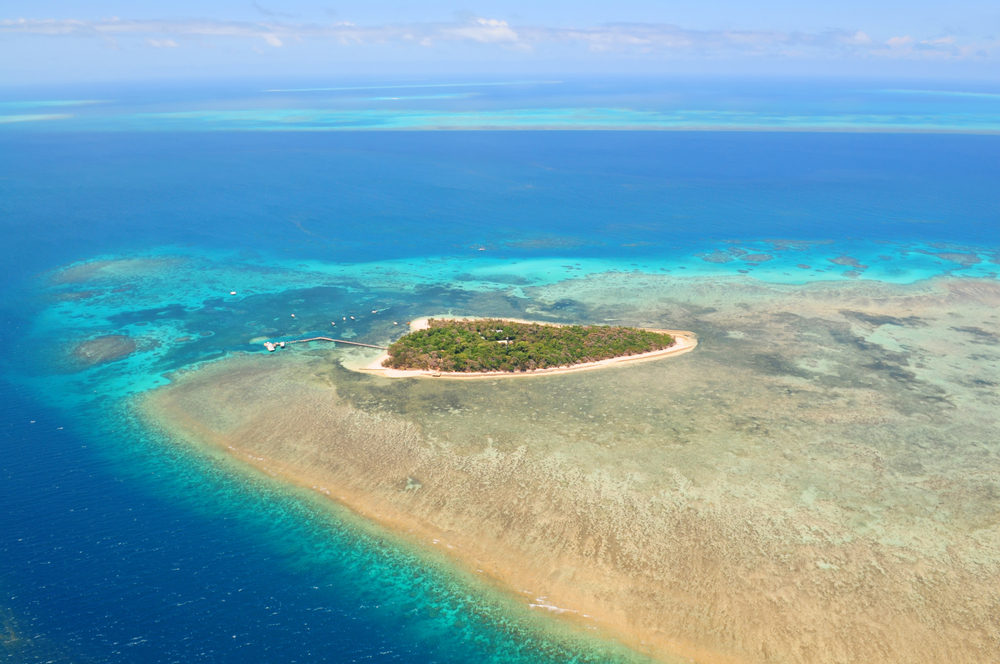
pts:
pixel 271 347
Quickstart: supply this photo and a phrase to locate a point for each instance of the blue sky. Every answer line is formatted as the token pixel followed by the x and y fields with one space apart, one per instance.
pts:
pixel 63 40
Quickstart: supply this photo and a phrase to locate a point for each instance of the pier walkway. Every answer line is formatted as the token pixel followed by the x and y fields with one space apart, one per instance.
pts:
pixel 271 346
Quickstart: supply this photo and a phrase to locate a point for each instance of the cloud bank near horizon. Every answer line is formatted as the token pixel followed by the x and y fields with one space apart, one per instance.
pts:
pixel 35 50
pixel 635 39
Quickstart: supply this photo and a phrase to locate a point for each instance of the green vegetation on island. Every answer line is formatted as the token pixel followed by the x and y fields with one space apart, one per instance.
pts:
pixel 491 344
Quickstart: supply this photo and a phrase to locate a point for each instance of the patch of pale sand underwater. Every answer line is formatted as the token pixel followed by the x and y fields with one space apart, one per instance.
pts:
pixel 115 270
pixel 817 482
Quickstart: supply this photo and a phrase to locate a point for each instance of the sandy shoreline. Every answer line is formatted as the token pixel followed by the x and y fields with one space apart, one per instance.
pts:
pixel 684 342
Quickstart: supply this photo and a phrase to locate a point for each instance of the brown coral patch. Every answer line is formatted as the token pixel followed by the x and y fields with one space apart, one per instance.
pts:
pixel 74 296
pixel 102 350
pixel 113 270
pixel 815 484
pixel 849 262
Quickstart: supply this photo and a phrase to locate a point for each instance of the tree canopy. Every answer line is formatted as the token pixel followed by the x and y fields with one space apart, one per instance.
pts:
pixel 492 344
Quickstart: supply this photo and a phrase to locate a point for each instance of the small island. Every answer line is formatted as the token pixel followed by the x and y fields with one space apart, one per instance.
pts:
pixel 493 346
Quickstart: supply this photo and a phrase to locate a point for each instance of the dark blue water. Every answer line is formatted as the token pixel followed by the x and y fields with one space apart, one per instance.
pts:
pixel 374 196
pixel 117 545
pixel 155 556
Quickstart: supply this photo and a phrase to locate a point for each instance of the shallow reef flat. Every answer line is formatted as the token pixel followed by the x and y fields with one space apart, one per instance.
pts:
pixel 101 350
pixel 817 482
pixel 113 270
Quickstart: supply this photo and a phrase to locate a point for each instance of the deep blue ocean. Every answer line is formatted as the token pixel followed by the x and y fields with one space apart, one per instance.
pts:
pixel 117 546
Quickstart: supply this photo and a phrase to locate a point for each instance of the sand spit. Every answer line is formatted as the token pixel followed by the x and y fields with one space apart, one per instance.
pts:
pixel 684 342
pixel 818 484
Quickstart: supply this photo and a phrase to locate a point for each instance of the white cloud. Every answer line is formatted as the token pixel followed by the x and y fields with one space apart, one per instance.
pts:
pixel 648 40
pixel 487 31
pixel 160 43
pixel 859 38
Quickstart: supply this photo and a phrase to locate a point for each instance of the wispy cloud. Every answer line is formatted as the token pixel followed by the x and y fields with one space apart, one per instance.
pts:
pixel 626 38
pixel 161 43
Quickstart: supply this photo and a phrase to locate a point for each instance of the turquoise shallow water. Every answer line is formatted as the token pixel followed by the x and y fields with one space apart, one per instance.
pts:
pixel 178 302
pixel 306 119
pixel 120 546
pixel 593 103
